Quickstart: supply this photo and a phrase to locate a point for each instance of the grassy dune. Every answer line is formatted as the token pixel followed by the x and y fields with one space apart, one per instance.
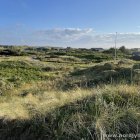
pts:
pixel 50 96
pixel 75 114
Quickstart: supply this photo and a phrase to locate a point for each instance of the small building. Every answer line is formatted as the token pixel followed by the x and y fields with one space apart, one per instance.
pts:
pixel 136 56
pixel 97 49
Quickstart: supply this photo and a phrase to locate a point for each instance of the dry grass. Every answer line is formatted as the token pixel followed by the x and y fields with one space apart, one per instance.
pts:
pixel 17 107
pixel 74 114
pixel 15 104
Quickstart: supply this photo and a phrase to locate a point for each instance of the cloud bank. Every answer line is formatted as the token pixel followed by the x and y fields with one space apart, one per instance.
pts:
pixel 74 37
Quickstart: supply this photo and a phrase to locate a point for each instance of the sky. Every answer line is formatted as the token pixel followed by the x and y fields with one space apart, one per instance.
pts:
pixel 74 23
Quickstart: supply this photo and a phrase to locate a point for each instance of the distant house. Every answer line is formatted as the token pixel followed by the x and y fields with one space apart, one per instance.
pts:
pixel 68 48
pixel 42 49
pixel 136 56
pixel 97 49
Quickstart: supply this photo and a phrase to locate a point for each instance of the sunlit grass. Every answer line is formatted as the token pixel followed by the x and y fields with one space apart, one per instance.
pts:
pixel 43 107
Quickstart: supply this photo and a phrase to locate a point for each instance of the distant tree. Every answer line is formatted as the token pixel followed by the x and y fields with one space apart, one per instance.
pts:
pixel 109 51
pixel 124 50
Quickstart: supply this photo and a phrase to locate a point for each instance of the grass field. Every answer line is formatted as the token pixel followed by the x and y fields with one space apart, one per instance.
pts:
pixel 68 96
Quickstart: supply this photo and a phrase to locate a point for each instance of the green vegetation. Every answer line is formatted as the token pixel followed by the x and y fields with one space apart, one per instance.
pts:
pixel 67 94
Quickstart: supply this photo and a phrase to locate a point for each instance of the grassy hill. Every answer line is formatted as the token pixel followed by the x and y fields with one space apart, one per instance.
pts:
pixel 50 95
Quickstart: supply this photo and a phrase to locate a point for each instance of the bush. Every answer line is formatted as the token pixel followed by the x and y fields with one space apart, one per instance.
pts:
pixel 109 66
pixel 109 73
pixel 136 66
pixel 49 69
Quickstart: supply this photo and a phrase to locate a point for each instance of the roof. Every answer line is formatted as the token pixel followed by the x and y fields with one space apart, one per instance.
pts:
pixel 136 53
pixel 97 48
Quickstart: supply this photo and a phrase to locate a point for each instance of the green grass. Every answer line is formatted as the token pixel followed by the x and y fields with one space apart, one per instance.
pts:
pixel 68 95
pixel 16 73
pixel 123 71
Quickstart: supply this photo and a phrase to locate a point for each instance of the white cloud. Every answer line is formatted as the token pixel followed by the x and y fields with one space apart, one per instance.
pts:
pixel 108 39
pixel 65 34
pixel 74 37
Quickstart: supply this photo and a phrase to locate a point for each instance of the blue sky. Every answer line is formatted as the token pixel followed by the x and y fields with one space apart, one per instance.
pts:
pixel 75 23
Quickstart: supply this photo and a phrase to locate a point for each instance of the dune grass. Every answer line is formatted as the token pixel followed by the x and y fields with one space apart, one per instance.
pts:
pixel 45 100
pixel 74 114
